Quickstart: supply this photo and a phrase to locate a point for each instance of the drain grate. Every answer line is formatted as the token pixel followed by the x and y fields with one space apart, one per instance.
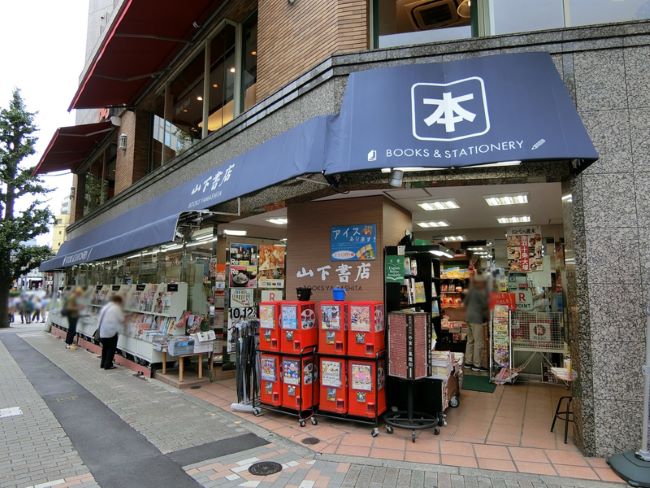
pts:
pixel 265 468
pixel 310 441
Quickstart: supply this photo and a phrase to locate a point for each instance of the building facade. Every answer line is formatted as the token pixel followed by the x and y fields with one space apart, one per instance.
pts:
pixel 245 72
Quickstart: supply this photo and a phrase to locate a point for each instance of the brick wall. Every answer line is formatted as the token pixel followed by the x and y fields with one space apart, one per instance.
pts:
pixel 132 164
pixel 294 38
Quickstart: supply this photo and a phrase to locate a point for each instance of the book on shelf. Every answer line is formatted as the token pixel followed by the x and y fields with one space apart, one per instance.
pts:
pixel 420 294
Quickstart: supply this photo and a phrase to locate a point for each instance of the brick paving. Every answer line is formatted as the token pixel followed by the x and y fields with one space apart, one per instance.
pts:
pixel 35 449
pixel 174 420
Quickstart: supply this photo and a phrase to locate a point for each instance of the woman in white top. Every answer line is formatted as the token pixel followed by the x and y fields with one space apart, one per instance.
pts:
pixel 111 322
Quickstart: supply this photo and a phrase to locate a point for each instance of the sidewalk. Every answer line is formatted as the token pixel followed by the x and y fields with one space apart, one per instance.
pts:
pixel 182 425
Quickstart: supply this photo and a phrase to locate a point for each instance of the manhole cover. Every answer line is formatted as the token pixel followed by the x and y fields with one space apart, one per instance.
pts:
pixel 265 468
pixel 195 387
pixel 310 440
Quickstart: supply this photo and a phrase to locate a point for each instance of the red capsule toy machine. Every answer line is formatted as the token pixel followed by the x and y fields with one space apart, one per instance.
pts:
pixel 366 388
pixel 333 385
pixel 299 382
pixel 332 335
pixel 366 329
pixel 270 326
pixel 298 326
pixel 271 381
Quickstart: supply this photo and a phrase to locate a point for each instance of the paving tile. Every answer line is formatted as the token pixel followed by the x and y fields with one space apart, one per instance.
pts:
pixel 353 450
pixel 491 452
pixel 528 454
pixel 461 461
pixel 576 472
pixel 606 474
pixel 395 454
pixel 457 448
pixel 496 464
pixel 356 440
pixel 422 457
pixel 564 457
pixel 535 468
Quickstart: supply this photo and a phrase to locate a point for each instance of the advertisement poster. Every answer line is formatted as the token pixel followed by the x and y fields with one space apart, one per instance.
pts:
pixel 361 377
pixel 525 249
pixel 242 307
pixel 331 373
pixel 271 295
pixel 289 317
pixel 291 371
pixel 331 318
pixel 268 369
pixel 271 272
pixel 394 269
pixel 353 242
pixel 243 265
pixel 360 318
pixel 501 304
pixel 267 317
pixel 540 331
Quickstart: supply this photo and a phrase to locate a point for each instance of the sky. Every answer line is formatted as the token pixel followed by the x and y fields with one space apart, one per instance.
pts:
pixel 42 49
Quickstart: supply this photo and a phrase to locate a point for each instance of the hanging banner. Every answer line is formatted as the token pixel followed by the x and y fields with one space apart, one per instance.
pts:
pixel 394 269
pixel 525 248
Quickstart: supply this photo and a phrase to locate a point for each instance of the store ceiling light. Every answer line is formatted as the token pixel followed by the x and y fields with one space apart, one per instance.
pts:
pixel 278 220
pixel 428 225
pixel 439 205
pixel 520 219
pixel 476 249
pixel 232 69
pixel 511 199
pixel 567 198
pixel 500 164
pixel 232 232
pixel 411 169
pixel 199 98
pixel 453 238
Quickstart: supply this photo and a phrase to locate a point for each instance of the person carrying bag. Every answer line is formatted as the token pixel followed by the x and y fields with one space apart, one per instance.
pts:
pixel 111 322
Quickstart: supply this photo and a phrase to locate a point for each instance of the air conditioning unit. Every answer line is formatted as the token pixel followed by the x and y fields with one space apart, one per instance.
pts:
pixel 414 15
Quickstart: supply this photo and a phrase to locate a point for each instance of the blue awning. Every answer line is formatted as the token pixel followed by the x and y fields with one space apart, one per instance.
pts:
pixel 296 152
pixel 510 107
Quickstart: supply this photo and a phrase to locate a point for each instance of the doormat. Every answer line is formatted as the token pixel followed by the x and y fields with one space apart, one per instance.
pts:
pixel 478 383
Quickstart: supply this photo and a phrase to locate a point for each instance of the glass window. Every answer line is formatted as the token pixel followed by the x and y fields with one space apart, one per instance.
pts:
pixel 508 16
pixel 584 12
pixel 182 126
pixel 249 62
pixel 403 22
pixel 222 78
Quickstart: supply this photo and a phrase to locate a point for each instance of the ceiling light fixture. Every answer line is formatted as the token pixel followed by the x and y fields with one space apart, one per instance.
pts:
pixel 232 69
pixel 476 249
pixel 253 53
pixel 444 254
pixel 232 232
pixel 278 220
pixel 439 205
pixel 439 223
pixel 521 219
pixel 464 10
pixel 199 98
pixel 215 85
pixel 453 238
pixel 510 199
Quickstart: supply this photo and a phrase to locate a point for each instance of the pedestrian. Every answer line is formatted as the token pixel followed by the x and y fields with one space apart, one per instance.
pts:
pixel 29 308
pixel 111 322
pixel 476 314
pixel 38 304
pixel 20 308
pixel 72 310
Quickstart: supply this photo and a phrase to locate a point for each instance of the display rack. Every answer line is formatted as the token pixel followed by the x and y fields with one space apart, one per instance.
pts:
pixel 454 280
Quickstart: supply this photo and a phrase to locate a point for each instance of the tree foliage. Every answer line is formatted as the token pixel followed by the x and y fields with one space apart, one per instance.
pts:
pixel 17 182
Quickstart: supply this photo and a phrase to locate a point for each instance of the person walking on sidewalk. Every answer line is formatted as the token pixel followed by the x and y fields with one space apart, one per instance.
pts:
pixel 72 310
pixel 476 314
pixel 111 322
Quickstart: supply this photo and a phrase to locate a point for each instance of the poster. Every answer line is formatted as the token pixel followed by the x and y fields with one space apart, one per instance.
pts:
pixel 289 316
pixel 540 331
pixel 243 265
pixel 268 369
pixel 360 318
pixel 501 304
pixel 394 269
pixel 291 371
pixel 361 377
pixel 379 318
pixel 267 317
pixel 353 242
pixel 525 247
pixel 331 373
pixel 330 317
pixel 242 307
pixel 271 272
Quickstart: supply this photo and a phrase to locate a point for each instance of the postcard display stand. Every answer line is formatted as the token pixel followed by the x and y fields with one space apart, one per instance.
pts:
pixel 287 357
pixel 352 362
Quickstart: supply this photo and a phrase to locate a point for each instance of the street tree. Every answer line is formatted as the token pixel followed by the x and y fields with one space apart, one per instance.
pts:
pixel 18 183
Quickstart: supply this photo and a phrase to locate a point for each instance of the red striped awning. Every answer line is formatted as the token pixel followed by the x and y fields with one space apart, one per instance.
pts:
pixel 140 43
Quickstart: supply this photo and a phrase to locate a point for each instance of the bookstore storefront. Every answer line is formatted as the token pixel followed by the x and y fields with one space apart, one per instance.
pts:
pixel 387 168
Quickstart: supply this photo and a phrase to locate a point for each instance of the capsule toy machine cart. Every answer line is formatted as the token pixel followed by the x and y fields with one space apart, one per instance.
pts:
pixel 270 326
pixel 332 325
pixel 366 388
pixel 298 326
pixel 300 386
pixel 366 332
pixel 270 380
pixel 333 396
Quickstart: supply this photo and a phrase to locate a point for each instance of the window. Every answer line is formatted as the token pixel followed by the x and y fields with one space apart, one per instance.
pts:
pixel 249 62
pixel 403 22
pixel 185 98
pixel 223 72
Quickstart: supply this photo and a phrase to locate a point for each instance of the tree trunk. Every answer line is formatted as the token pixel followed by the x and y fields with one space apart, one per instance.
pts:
pixel 5 286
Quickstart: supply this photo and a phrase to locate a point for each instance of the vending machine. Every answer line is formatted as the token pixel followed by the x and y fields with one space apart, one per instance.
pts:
pixel 366 388
pixel 270 380
pixel 270 326
pixel 299 382
pixel 332 336
pixel 298 326
pixel 365 329
pixel 333 385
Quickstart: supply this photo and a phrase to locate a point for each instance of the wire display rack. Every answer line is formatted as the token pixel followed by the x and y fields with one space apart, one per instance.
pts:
pixel 539 333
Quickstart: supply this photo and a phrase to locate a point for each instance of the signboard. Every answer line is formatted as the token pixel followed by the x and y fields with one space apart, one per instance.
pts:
pixel 353 242
pixel 525 248
pixel 394 269
pixel 501 304
pixel 243 265
pixel 242 307
pixel 271 272
pixel 524 299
